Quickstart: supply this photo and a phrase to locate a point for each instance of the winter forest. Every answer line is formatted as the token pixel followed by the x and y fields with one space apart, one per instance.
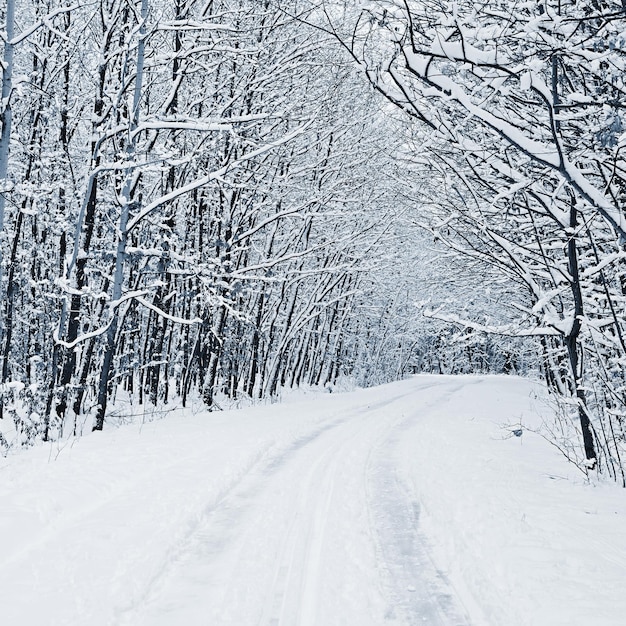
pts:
pixel 207 199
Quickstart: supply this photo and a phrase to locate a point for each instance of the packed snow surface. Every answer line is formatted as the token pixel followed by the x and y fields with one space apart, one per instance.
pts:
pixel 410 503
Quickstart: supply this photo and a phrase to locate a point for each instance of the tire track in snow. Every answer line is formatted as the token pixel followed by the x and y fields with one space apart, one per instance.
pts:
pixel 418 593
pixel 292 598
pixel 217 513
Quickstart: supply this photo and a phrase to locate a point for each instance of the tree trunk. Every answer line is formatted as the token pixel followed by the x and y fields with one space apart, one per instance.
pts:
pixel 572 342
pixel 125 208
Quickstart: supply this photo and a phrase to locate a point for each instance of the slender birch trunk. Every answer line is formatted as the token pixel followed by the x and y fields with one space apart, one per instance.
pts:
pixel 6 114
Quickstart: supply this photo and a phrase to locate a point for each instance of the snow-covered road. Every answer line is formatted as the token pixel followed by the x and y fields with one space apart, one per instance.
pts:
pixel 332 510
pixel 320 532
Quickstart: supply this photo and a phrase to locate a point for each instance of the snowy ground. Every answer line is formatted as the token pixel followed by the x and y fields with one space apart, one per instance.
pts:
pixel 409 503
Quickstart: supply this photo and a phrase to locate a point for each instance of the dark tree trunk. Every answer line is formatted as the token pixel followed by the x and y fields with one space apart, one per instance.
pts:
pixel 572 343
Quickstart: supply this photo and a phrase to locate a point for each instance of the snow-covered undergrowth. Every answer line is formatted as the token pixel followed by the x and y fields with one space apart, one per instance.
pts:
pixel 93 529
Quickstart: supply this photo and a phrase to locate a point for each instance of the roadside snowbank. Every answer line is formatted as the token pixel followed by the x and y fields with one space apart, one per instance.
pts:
pixel 522 535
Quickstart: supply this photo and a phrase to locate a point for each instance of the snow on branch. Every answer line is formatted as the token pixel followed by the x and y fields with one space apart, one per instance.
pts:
pixel 43 22
pixel 161 313
pixel 213 176
pixel 508 330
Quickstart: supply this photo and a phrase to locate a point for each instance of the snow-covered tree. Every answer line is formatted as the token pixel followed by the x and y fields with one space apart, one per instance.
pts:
pixel 522 106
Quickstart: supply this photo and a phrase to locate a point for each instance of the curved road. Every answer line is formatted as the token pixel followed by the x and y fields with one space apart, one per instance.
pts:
pixel 322 533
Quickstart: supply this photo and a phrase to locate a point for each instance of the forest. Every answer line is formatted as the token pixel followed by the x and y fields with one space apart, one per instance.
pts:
pixel 208 199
